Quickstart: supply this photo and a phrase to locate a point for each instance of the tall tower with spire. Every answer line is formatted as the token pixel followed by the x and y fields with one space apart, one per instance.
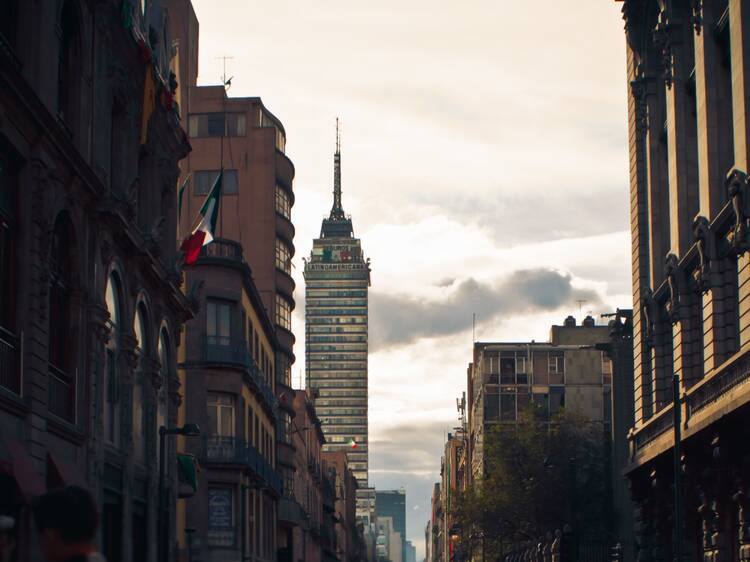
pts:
pixel 337 278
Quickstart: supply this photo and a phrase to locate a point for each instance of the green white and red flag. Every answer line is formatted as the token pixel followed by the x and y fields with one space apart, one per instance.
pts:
pixel 203 234
pixel 352 443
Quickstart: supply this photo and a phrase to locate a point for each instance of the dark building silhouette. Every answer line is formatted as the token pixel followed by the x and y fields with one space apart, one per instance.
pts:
pixel 688 72
pixel 90 299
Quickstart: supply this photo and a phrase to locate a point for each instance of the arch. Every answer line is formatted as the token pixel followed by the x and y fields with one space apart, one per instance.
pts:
pixel 142 331
pixel 113 301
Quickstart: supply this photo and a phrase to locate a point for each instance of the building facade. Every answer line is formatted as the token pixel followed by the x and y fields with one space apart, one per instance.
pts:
pixel 392 503
pixel 688 69
pixel 337 278
pixel 350 540
pixel 90 299
pixel 227 372
pixel 566 372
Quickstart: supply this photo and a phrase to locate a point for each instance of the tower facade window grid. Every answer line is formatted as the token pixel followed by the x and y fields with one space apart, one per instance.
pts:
pixel 337 278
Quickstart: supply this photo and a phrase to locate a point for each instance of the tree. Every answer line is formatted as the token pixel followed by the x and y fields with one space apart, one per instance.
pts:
pixel 539 476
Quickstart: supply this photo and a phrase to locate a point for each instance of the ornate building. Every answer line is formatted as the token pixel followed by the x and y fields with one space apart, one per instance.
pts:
pixel 688 70
pixel 90 299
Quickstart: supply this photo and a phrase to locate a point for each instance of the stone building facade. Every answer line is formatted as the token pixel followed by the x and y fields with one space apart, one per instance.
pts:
pixel 688 70
pixel 227 373
pixel 350 545
pixel 90 301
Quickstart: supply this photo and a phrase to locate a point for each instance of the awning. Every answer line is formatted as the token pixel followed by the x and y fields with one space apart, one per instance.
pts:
pixel 16 461
pixel 67 473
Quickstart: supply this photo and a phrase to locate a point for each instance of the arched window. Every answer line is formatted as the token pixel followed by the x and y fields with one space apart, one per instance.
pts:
pixel 67 62
pixel 140 328
pixel 161 398
pixel 61 381
pixel 112 299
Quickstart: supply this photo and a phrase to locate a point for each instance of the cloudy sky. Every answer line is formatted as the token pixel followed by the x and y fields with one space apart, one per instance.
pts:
pixel 485 167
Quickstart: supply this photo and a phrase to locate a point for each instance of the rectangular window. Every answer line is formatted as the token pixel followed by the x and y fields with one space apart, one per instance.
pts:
pixel 216 124
pixel 491 406
pixel 283 313
pixel 508 407
pixel 556 366
pixel 283 202
pixel 507 367
pixel 203 181
pixel 220 414
pixel 606 369
pixel 218 322
pixel 283 257
pixel 221 516
pixel 556 399
pixel 265 120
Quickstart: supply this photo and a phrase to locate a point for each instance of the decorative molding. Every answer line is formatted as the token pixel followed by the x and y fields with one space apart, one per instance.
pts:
pixel 738 237
pixel 663 42
pixel 697 15
pixel 702 275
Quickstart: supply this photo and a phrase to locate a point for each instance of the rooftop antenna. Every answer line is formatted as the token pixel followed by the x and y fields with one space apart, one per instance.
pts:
pixel 337 212
pixel 224 80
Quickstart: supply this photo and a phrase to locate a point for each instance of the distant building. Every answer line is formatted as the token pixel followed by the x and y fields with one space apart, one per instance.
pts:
pixel 567 371
pixel 411 552
pixel 350 540
pixel 438 537
pixel 452 483
pixel 688 72
pixel 428 541
pixel 337 278
pixel 392 503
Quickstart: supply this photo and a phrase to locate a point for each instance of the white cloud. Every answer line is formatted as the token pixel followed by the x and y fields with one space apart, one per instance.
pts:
pixel 480 138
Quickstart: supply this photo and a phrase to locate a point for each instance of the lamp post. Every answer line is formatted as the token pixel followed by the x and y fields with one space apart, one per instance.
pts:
pixel 187 430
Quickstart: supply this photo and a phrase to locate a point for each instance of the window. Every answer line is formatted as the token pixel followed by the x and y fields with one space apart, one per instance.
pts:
pixel 61 380
pixel 67 62
pixel 508 406
pixel 9 374
pixel 220 414
pixel 283 257
pixel 217 124
pixel 265 120
pixel 111 380
pixel 140 328
pixel 556 363
pixel 606 369
pixel 607 404
pixel 283 202
pixel 221 516
pixel 556 399
pixel 218 322
pixel 165 370
pixel 283 313
pixel 204 181
pixel 491 406
pixel 507 367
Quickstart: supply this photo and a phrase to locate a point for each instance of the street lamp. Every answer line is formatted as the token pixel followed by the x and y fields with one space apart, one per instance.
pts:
pixel 187 430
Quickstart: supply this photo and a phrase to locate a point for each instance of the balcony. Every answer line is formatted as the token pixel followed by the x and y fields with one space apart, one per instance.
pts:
pixel 10 375
pixel 235 352
pixel 218 449
pixel 223 249
pixel 289 511
pixel 61 394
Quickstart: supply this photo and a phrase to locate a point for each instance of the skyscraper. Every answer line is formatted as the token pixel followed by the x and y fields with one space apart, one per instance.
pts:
pixel 337 278
pixel 392 503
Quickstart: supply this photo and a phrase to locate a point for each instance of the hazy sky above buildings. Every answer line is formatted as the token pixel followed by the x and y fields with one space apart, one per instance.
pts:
pixel 485 167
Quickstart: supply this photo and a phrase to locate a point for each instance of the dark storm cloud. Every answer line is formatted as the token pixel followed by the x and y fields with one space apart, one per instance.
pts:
pixel 398 320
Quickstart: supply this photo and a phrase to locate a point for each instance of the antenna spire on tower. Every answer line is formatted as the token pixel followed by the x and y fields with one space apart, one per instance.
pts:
pixel 337 212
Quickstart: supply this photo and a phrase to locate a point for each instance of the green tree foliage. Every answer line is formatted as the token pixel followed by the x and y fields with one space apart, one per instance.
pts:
pixel 539 476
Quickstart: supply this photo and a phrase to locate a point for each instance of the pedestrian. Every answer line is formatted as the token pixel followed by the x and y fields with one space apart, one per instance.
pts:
pixel 7 538
pixel 67 520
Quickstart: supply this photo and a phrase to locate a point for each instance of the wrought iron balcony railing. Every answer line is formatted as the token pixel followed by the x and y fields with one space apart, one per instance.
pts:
pixel 223 248
pixel 218 449
pixel 235 352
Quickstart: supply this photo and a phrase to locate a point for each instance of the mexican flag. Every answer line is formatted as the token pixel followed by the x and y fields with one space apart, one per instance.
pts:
pixel 352 443
pixel 203 234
